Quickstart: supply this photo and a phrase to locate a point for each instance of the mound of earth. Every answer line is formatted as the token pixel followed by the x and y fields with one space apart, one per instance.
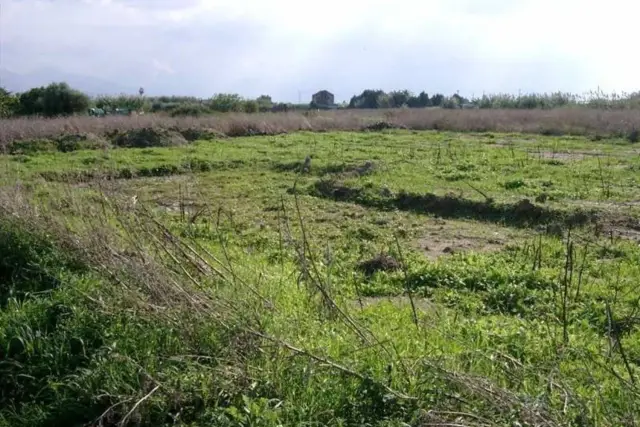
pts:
pixel 147 137
pixel 81 141
pixel 436 246
pixel 382 262
pixel 194 134
pixel 378 126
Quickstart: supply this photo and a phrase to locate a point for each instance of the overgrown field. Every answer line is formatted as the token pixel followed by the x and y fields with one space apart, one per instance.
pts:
pixel 381 278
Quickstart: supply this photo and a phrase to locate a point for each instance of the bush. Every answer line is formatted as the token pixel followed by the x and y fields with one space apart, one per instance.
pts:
pixel 251 106
pixel 226 102
pixel 194 110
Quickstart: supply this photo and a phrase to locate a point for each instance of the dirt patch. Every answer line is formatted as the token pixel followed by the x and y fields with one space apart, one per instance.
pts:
pixel 436 246
pixel 621 227
pixel 382 262
pixel 147 137
pixel 189 208
pixel 366 168
pixel 561 156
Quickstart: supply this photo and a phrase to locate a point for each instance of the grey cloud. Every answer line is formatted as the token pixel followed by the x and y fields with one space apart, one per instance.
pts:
pixel 159 4
pixel 375 63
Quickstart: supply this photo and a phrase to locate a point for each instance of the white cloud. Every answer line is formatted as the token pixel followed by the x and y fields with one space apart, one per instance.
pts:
pixel 162 67
pixel 281 46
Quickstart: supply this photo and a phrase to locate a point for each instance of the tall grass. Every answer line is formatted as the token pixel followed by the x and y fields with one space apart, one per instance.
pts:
pixel 578 121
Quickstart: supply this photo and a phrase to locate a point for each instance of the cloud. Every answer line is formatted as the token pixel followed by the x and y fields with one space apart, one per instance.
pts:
pixel 280 47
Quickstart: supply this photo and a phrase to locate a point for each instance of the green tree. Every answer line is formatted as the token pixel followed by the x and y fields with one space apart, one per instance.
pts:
pixel 8 104
pixel 400 98
pixel 437 100
pixel 265 103
pixel 56 99
pixel 226 102
pixel 369 99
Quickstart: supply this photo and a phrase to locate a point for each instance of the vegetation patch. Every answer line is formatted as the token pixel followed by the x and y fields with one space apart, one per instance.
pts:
pixel 226 298
pixel 189 166
pixel 380 126
pixel 523 213
pixel 342 170
pixel 64 143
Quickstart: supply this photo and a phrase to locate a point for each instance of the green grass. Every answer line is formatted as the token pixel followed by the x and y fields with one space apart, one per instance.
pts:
pixel 200 288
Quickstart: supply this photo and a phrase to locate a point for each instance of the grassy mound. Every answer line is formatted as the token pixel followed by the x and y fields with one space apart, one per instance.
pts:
pixel 147 137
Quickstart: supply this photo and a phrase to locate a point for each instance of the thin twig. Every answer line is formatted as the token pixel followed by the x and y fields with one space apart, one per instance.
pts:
pixel 148 395
pixel 406 279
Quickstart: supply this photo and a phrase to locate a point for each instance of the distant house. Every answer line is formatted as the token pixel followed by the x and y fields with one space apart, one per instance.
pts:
pixel 323 99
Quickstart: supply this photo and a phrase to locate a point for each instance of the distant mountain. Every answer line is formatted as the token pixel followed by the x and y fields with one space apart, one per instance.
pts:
pixel 92 86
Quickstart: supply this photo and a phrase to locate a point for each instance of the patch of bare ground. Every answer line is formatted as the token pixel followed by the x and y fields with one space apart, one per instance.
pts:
pixel 508 142
pixel 435 247
pixel 574 155
pixel 447 238
pixel 606 205
pixel 615 219
pixel 547 154
pixel 184 207
pixel 620 227
pixel 561 155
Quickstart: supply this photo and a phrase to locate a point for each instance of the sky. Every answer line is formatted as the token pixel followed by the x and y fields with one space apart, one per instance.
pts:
pixel 290 48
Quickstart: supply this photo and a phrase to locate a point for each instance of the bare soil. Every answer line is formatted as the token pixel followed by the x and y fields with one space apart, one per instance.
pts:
pixel 435 246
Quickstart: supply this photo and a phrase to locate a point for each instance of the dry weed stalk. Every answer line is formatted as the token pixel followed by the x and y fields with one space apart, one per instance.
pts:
pixel 580 121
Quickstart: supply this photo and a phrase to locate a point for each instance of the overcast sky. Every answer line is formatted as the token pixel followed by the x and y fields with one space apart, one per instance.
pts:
pixel 280 47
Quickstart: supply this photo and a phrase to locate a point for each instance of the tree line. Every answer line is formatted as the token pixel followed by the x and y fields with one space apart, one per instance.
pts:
pixel 59 99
